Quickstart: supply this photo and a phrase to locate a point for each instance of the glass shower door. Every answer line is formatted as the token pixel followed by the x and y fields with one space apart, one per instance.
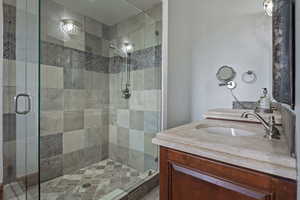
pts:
pixel 20 95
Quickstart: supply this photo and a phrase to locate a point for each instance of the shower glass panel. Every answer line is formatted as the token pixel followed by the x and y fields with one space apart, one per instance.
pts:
pixel 20 99
pixel 100 96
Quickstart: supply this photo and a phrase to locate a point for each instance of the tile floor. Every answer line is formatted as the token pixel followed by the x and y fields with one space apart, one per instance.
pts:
pixel 16 191
pixel 105 180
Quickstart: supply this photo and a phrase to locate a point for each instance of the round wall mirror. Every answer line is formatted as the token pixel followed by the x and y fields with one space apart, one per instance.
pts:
pixel 226 74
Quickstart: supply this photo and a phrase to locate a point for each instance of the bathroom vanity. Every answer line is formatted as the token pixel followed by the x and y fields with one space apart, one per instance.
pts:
pixel 219 160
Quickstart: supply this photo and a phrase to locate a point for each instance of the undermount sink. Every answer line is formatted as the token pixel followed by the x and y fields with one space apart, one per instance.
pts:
pixel 227 131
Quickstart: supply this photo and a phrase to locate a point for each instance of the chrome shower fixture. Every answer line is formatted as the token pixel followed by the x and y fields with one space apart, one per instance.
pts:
pixel 120 51
pixel 125 51
pixel 126 94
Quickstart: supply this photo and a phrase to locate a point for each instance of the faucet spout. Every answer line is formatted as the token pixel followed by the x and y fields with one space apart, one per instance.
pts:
pixel 271 131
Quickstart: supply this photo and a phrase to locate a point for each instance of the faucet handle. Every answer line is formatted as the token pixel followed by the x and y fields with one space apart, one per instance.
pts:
pixel 273 132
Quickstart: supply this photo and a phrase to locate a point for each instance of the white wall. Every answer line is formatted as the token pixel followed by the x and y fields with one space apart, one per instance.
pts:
pixel 1 84
pixel 203 35
pixel 235 33
pixel 179 62
pixel 298 87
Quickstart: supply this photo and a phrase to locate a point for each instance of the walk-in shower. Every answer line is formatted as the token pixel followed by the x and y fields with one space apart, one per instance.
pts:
pixel 92 72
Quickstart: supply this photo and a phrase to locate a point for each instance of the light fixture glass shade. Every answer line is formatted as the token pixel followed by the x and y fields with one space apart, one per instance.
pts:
pixel 268 7
pixel 70 27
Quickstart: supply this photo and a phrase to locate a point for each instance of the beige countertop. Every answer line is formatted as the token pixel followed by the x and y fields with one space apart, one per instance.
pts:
pixel 253 152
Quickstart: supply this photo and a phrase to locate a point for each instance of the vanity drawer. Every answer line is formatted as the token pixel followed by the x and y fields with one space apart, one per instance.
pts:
pixel 185 176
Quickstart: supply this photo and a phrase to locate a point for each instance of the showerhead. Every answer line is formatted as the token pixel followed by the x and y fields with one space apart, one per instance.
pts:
pixel 119 50
pixel 126 48
pixel 112 46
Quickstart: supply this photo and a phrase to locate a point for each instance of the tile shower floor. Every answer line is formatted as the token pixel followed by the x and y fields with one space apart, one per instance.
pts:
pixel 106 180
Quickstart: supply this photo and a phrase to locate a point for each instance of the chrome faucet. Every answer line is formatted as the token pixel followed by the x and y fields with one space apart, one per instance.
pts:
pixel 271 131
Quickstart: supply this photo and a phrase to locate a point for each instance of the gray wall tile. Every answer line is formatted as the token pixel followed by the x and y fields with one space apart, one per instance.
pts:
pixel 73 78
pixel 93 44
pixel 138 80
pixel 9 32
pixel 149 147
pixel 73 120
pixel 245 105
pixel 73 141
pixel 73 161
pixel 74 99
pixel 123 137
pixel 52 99
pixel 9 127
pixel 152 78
pixel 96 99
pixel 123 119
pixel 136 160
pixel 9 162
pixel 51 77
pixel 67 61
pixel 95 137
pixel 51 122
pixel 94 154
pixel 137 120
pixel 51 145
pixel 152 121
pixel 136 140
pixel 51 168
pixel 54 55
pixel 119 153
pixel 78 59
pixel 93 27
pixel 9 72
pixel 8 99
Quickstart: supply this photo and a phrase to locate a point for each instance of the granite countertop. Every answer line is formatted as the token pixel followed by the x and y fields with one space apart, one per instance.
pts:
pixel 252 152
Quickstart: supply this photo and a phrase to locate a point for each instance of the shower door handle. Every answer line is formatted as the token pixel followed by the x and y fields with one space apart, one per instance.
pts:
pixel 27 108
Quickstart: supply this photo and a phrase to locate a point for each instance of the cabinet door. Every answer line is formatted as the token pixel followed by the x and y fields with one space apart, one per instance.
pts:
pixel 193 185
pixel 188 177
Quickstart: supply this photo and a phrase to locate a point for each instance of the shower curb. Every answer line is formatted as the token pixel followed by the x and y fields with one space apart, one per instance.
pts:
pixel 143 189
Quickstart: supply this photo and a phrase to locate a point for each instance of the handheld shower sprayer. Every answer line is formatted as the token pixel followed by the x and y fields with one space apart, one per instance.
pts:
pixel 125 52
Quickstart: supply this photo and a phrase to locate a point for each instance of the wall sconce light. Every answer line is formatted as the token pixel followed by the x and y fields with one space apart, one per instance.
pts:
pixel 70 26
pixel 268 7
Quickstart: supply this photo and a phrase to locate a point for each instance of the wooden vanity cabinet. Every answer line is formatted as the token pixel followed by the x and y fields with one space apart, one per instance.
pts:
pixel 188 177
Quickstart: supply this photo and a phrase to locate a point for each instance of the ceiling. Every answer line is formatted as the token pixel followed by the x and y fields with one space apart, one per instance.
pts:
pixel 144 4
pixel 108 12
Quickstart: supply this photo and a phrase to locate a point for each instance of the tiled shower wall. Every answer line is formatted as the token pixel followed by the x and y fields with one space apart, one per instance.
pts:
pixel 83 113
pixel 9 91
pixel 83 117
pixel 75 93
pixel 134 122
